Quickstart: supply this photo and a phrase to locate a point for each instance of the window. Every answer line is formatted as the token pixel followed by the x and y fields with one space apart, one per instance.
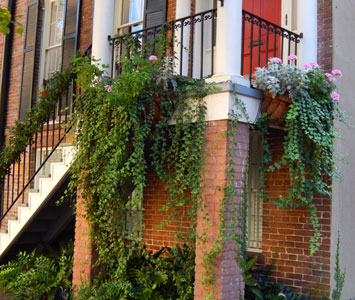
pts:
pixel 133 219
pixel 54 35
pixel 131 16
pixel 255 203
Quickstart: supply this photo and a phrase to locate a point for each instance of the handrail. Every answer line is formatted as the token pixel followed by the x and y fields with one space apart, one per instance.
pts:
pixel 23 173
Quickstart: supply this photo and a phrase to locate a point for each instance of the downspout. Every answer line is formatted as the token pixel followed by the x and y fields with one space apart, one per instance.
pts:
pixel 5 73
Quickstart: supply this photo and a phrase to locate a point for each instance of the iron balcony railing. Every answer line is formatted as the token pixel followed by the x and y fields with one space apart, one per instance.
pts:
pixel 262 40
pixel 194 43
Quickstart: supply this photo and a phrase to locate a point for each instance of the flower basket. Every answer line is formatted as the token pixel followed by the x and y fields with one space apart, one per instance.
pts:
pixel 275 107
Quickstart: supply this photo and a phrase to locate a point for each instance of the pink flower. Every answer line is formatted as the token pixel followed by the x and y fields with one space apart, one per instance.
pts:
pixel 307 66
pixel 314 65
pixel 106 86
pixel 330 76
pixel 153 57
pixel 335 96
pixel 337 73
pixel 292 57
pixel 275 60
pixel 109 90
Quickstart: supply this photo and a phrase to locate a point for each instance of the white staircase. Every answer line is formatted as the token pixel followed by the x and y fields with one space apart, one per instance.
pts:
pixel 37 197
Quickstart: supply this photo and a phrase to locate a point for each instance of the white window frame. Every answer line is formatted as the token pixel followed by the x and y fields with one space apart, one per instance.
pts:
pixel 45 42
pixel 121 27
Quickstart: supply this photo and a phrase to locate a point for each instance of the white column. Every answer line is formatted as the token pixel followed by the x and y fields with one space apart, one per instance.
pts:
pixel 229 37
pixel 182 10
pixel 102 28
pixel 307 24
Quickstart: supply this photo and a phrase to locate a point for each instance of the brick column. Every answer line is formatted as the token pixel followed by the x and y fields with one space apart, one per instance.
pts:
pixel 228 274
pixel 83 253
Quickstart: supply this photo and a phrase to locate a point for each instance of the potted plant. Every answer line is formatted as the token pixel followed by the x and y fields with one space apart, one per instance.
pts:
pixel 304 101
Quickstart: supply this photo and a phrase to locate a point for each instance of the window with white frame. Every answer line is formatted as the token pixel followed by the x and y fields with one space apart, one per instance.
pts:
pixel 255 202
pixel 54 25
pixel 131 16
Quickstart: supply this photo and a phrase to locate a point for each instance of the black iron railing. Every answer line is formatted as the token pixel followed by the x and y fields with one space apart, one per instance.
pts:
pixel 262 40
pixel 194 41
pixel 23 175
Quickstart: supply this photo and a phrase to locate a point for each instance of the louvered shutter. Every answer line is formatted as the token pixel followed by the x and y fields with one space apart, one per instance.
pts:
pixel 154 13
pixel 70 41
pixel 29 59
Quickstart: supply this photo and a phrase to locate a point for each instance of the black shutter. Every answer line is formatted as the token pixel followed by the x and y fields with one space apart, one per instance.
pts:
pixel 70 43
pixel 154 13
pixel 29 59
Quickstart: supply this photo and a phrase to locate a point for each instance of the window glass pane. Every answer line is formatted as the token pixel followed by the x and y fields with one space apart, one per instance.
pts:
pixel 135 10
pixel 55 34
pixel 56 22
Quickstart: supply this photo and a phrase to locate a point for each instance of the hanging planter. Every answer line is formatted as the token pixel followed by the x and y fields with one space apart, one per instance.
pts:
pixel 275 106
pixel 306 111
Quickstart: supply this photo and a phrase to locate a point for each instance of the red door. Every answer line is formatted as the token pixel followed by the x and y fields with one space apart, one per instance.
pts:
pixel 260 42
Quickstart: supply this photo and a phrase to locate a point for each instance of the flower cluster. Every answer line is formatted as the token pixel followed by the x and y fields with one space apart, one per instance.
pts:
pixel 278 79
pixel 108 88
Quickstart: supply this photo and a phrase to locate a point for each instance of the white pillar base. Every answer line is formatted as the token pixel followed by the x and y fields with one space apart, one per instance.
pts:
pixel 234 78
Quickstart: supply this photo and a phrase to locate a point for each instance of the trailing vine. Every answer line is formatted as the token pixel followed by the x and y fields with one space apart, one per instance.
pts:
pixel 309 132
pixel 122 134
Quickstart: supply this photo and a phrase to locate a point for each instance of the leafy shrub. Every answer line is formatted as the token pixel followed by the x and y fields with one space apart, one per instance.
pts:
pixel 144 275
pixel 32 277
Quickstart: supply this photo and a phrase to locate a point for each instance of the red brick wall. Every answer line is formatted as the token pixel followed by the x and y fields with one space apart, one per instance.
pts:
pixel 83 254
pixel 171 14
pixel 325 34
pixel 154 199
pixel 85 25
pixel 286 235
pixel 228 275
pixel 16 67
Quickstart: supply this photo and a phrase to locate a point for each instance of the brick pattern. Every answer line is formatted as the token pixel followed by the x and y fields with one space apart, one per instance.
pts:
pixel 155 198
pixel 16 66
pixel 85 25
pixel 3 296
pixel 83 254
pixel 325 34
pixel 228 275
pixel 286 235
pixel 171 13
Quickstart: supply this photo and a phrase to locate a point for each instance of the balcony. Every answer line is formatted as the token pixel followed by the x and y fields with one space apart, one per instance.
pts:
pixel 194 44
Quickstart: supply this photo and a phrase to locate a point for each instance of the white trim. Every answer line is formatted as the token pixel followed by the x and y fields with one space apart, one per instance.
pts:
pixel 102 28
pixel 228 38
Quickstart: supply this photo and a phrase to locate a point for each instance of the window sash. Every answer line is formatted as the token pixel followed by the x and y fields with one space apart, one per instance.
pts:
pixel 255 202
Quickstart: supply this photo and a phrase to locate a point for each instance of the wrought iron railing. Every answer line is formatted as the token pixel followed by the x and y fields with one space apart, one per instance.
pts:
pixel 192 39
pixel 194 42
pixel 262 40
pixel 31 164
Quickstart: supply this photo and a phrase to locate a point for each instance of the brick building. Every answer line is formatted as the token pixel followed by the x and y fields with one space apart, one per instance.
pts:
pixel 220 39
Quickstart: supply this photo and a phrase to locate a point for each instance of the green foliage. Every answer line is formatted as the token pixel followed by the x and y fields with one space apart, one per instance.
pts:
pixel 32 276
pixel 122 133
pixel 309 134
pixel 166 274
pixel 6 19
pixel 339 276
pixel 22 133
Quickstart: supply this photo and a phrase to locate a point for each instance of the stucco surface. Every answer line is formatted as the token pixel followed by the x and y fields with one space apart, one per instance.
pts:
pixel 343 206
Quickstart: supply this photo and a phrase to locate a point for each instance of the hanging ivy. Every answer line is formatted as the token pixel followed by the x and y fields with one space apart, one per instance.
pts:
pixel 309 132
